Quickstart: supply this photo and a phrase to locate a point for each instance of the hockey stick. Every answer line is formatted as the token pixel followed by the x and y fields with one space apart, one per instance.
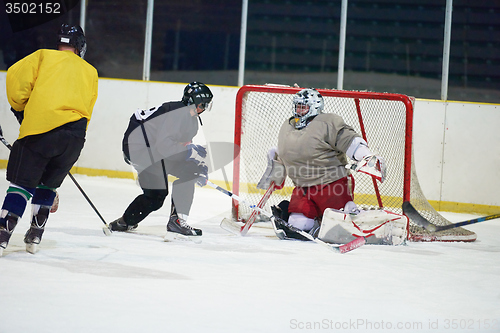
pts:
pixel 260 205
pixel 105 229
pixel 358 242
pixel 415 216
pixel 352 245
pixel 229 225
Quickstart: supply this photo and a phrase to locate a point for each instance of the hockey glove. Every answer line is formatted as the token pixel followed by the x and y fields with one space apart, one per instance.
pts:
pixel 202 174
pixel 275 172
pixel 196 153
pixel 372 165
pixel 19 115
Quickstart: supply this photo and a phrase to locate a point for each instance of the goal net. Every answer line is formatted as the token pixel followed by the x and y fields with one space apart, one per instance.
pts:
pixel 384 120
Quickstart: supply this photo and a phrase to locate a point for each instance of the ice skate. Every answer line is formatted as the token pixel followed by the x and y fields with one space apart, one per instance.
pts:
pixel 281 228
pixel 178 229
pixel 285 231
pixel 278 229
pixel 4 239
pixel 120 225
pixel 33 236
pixel 7 225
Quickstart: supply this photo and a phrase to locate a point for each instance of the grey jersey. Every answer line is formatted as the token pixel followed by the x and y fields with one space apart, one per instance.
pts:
pixel 315 154
pixel 159 133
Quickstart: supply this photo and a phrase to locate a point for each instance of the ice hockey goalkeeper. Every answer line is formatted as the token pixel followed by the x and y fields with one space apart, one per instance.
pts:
pixel 312 150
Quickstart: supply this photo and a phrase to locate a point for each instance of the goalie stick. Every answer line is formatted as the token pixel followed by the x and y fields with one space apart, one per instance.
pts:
pixel 352 245
pixel 415 216
pixel 358 242
pixel 105 229
pixel 231 226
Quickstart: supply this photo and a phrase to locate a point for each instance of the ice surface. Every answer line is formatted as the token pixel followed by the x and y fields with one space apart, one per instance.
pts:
pixel 83 281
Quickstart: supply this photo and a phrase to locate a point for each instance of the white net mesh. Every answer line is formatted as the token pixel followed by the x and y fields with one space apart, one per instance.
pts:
pixel 382 118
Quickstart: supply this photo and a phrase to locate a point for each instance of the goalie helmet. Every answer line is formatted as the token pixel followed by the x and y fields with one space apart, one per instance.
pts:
pixel 72 35
pixel 307 103
pixel 198 93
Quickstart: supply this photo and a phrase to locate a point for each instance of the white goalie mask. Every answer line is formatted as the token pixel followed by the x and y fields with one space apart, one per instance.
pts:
pixel 307 103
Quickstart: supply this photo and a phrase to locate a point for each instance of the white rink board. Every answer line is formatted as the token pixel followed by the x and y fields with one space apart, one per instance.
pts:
pixel 455 143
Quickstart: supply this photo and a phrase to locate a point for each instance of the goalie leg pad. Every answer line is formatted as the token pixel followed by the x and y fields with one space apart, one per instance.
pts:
pixel 378 226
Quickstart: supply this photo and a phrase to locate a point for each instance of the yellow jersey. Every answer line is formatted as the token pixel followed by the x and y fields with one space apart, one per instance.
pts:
pixel 53 88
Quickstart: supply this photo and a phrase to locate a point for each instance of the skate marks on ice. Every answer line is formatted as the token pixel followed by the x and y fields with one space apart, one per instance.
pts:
pixel 102 269
pixel 91 265
pixel 92 256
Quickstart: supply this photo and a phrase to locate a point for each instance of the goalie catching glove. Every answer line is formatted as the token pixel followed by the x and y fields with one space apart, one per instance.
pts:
pixel 372 165
pixel 363 160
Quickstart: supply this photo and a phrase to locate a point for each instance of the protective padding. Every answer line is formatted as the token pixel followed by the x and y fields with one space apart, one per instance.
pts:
pixel 377 226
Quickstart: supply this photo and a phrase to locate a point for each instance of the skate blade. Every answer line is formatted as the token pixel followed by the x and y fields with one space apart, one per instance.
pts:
pixel 1 251
pixel 32 248
pixel 173 236
pixel 231 226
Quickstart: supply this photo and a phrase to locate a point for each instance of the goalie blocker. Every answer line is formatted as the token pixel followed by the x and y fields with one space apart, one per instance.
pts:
pixel 275 172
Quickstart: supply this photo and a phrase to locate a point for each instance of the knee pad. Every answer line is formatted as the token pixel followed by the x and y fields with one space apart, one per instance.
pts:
pixel 301 221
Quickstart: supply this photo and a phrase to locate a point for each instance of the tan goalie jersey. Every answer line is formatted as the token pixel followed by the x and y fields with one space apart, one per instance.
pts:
pixel 315 154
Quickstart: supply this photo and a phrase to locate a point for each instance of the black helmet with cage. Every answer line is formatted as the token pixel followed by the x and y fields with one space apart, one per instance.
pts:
pixel 197 93
pixel 72 35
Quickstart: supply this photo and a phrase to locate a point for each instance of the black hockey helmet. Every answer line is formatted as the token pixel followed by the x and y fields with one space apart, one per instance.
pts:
pixel 72 35
pixel 198 93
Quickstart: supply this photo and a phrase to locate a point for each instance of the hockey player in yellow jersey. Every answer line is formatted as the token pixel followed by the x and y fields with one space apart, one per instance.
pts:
pixel 52 94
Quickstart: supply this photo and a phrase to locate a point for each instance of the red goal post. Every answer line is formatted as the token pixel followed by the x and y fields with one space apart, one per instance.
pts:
pixel 385 121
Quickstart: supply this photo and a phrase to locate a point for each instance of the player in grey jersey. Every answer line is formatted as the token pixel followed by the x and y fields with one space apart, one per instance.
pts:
pixel 157 143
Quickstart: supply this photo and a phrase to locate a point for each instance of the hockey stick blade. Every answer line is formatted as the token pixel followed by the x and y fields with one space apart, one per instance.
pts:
pixel 234 228
pixel 253 216
pixel 412 213
pixel 231 226
pixel 415 217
